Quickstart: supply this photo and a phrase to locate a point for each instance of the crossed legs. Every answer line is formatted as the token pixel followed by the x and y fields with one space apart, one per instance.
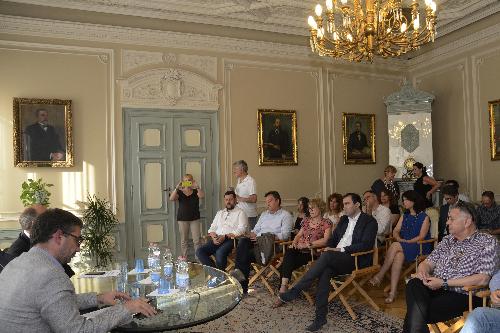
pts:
pixel 393 260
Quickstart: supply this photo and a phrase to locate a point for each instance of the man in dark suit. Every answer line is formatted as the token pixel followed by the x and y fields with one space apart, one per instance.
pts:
pixel 450 194
pixel 42 140
pixel 356 232
pixel 23 242
pixel 358 144
pixel 277 141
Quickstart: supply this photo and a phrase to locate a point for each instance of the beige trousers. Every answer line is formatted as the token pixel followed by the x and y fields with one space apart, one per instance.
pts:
pixel 184 227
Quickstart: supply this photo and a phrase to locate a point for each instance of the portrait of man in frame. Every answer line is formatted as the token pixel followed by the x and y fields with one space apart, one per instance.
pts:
pixel 358 138
pixel 277 137
pixel 42 132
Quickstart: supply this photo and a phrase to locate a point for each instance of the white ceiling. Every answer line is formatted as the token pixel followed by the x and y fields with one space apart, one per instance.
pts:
pixel 284 16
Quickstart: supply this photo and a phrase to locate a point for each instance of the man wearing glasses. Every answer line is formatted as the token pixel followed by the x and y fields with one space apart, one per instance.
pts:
pixel 37 296
pixel 451 198
pixel 228 223
pixel 465 257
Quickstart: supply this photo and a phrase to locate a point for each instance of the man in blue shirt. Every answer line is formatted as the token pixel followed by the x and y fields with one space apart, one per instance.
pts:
pixel 274 220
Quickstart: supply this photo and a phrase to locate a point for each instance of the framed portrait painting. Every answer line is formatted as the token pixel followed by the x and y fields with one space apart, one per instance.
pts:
pixel 42 133
pixel 494 110
pixel 277 137
pixel 358 138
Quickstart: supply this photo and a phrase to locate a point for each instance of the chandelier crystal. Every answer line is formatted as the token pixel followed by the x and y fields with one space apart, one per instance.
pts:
pixel 351 31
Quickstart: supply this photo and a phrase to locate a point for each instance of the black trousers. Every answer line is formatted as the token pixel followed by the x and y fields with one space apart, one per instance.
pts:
pixel 328 265
pixel 293 259
pixel 244 258
pixel 425 306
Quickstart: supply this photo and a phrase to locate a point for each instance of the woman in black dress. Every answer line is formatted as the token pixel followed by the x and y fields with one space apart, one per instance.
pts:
pixel 424 185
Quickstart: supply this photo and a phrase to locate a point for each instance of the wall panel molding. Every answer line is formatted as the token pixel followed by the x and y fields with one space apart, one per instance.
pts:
pixel 105 56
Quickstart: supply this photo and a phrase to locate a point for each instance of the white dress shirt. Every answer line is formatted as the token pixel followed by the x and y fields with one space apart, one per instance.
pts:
pixel 245 189
pixel 279 223
pixel 383 216
pixel 347 238
pixel 232 221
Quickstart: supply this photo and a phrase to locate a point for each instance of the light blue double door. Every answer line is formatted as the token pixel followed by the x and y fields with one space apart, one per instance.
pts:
pixel 160 147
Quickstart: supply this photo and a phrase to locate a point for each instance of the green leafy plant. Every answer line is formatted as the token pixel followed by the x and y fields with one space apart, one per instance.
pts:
pixel 99 222
pixel 35 192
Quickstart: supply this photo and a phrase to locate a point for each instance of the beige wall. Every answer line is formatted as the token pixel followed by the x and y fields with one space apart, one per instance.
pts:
pixel 463 83
pixel 81 78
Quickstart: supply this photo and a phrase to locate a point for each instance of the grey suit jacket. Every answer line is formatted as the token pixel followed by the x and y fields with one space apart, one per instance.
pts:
pixel 37 296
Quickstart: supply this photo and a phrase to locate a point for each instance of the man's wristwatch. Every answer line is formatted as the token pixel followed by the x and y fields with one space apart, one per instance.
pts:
pixel 445 284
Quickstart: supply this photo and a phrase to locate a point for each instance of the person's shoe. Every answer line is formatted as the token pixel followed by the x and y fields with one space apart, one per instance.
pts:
pixel 289 295
pixel 316 325
pixel 238 275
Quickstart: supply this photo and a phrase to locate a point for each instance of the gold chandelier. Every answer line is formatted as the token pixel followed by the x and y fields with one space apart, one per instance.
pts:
pixel 383 28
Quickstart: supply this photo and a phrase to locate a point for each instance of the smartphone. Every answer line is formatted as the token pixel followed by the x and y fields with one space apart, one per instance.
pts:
pixel 95 273
pixel 186 183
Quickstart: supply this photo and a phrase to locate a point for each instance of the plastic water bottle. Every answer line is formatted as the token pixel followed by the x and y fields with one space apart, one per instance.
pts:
pixel 156 257
pixel 151 258
pixel 182 275
pixel 168 265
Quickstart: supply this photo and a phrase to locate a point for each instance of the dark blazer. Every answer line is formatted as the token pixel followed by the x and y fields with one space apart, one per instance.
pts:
pixel 23 244
pixel 42 143
pixel 363 237
pixel 5 258
pixel 443 217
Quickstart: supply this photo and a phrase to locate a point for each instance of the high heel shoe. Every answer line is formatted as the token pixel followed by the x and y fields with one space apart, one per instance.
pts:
pixel 390 298
pixel 375 281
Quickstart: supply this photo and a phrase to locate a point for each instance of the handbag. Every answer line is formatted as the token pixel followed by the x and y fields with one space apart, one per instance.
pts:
pixel 264 248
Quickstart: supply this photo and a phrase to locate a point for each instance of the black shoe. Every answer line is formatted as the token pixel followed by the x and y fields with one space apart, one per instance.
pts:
pixel 238 275
pixel 316 325
pixel 289 295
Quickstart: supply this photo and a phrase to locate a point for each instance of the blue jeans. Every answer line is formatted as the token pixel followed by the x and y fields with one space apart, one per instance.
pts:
pixel 482 320
pixel 221 252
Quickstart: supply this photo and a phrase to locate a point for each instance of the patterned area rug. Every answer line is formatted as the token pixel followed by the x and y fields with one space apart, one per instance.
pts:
pixel 255 315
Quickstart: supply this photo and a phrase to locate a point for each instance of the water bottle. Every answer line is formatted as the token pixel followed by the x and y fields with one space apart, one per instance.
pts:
pixel 156 257
pixel 150 256
pixel 168 265
pixel 182 275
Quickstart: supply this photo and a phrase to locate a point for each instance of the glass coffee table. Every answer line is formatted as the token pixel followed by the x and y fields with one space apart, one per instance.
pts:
pixel 211 294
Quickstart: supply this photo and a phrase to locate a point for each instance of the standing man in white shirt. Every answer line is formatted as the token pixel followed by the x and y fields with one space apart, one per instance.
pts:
pixel 380 212
pixel 356 232
pixel 246 191
pixel 274 220
pixel 228 223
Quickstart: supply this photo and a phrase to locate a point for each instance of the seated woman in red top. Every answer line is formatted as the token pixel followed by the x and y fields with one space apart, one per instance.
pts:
pixel 315 232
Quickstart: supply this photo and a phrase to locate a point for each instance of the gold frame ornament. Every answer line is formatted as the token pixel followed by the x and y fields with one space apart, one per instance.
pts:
pixel 358 147
pixel 494 111
pixel 43 133
pixel 277 137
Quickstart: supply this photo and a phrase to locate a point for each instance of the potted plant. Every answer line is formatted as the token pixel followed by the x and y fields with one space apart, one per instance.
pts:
pixel 99 222
pixel 35 193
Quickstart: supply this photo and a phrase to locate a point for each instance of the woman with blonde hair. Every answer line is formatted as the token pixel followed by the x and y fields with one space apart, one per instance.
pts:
pixel 315 232
pixel 188 194
pixel 387 182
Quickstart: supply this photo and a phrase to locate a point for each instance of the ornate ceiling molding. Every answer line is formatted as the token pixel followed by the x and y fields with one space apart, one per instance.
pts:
pixel 265 15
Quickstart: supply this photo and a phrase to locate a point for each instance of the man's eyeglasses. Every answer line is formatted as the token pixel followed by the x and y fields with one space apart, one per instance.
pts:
pixel 79 240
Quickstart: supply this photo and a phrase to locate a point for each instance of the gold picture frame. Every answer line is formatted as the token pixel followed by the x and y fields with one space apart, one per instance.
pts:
pixel 277 137
pixel 358 147
pixel 43 133
pixel 494 111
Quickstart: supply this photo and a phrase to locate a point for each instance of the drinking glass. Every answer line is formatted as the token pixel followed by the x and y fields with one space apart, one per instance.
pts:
pixel 139 265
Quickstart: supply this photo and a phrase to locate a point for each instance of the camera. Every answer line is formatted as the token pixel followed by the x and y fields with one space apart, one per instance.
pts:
pixel 186 183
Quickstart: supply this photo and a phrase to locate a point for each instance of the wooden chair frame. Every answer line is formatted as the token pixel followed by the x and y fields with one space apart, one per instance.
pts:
pixel 357 278
pixel 272 267
pixel 456 324
pixel 297 275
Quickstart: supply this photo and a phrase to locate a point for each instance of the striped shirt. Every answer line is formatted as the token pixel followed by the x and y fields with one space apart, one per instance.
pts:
pixel 477 254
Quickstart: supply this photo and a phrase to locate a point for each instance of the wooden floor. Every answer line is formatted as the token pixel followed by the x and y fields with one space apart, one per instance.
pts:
pixel 397 308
